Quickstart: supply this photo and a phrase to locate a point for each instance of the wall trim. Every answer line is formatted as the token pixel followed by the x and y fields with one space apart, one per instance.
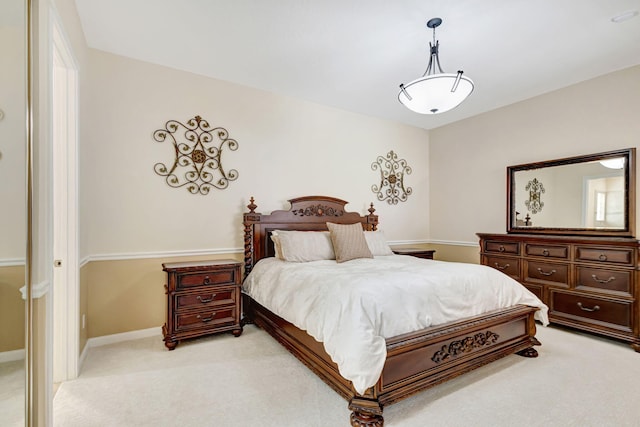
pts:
pixel 454 243
pixel 124 336
pixel 223 251
pixel 12 262
pixel 38 290
pixel 12 355
pixel 164 254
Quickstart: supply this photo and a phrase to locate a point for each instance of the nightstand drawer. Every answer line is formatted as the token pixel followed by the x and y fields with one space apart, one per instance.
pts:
pixel 603 279
pixel 207 297
pixel 605 312
pixel 222 316
pixel 221 277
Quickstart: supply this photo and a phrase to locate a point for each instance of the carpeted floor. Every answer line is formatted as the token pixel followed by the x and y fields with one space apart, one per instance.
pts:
pixel 222 381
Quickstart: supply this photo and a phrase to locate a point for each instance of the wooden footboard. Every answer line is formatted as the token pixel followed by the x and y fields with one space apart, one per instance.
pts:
pixel 415 361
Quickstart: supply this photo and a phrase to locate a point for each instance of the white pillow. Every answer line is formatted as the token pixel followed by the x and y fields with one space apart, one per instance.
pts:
pixel 377 243
pixel 302 246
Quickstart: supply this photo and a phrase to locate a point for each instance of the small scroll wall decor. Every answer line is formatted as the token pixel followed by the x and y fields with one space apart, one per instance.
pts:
pixel 392 171
pixel 535 189
pixel 198 156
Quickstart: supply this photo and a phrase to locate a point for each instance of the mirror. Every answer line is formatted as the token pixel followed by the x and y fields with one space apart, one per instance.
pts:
pixel 13 143
pixel 586 195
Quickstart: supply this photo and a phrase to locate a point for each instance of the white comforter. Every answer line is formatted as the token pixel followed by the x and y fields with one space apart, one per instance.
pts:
pixel 353 306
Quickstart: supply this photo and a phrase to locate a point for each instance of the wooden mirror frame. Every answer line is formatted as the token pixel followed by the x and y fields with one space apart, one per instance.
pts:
pixel 629 198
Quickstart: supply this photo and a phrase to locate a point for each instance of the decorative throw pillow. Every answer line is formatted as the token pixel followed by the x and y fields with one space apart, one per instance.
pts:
pixel 348 241
pixel 302 246
pixel 377 243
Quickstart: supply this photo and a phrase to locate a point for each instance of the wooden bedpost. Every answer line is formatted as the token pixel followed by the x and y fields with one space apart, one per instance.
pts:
pixel 249 219
pixel 365 412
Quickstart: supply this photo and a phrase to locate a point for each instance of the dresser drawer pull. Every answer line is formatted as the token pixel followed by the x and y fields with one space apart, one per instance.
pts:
pixel 204 301
pixel 595 307
pixel 501 267
pixel 604 282
pixel 501 248
pixel 602 257
pixel 206 280
pixel 545 273
pixel 213 314
pixel 545 252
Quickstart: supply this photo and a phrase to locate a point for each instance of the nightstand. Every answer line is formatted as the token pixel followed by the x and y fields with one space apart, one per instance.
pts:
pixel 416 252
pixel 203 297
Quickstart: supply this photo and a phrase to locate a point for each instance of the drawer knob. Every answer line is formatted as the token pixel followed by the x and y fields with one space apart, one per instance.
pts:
pixel 501 267
pixel 545 273
pixel 602 281
pixel 602 257
pixel 545 252
pixel 213 314
pixel 501 248
pixel 595 307
pixel 206 280
pixel 203 300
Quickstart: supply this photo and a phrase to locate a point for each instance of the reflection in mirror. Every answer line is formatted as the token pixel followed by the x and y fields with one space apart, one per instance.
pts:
pixel 12 225
pixel 581 195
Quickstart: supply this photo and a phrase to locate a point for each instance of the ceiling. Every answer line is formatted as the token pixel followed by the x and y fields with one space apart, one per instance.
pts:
pixel 353 54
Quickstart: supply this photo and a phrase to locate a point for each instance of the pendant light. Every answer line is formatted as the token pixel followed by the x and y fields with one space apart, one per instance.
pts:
pixel 436 91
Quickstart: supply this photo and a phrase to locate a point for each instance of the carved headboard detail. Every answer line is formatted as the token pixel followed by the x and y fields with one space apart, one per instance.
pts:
pixel 309 213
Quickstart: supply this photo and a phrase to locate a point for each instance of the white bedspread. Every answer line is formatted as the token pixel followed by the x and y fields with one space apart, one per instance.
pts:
pixel 352 307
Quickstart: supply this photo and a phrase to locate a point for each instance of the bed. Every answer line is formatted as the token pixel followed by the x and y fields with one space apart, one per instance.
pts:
pixel 413 361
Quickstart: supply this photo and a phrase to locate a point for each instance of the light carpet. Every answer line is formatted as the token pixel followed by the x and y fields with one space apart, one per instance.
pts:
pixel 223 381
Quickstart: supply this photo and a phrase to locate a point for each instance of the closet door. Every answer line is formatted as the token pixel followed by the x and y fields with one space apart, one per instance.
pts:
pixel 13 210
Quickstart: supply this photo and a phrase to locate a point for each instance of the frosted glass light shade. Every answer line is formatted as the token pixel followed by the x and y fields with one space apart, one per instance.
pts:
pixel 431 94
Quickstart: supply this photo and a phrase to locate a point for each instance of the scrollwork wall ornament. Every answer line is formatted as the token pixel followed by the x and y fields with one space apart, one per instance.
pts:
pixel 392 172
pixel 535 189
pixel 198 152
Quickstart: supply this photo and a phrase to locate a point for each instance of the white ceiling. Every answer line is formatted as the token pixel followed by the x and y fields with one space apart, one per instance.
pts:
pixel 353 54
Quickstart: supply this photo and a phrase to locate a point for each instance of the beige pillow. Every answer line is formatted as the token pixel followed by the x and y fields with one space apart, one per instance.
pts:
pixel 302 246
pixel 377 243
pixel 348 241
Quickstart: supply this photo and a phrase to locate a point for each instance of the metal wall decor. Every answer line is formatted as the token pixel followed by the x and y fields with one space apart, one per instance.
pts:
pixel 535 189
pixel 198 155
pixel 392 172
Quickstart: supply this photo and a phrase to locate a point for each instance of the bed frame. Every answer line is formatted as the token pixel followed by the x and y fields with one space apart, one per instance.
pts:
pixel 415 361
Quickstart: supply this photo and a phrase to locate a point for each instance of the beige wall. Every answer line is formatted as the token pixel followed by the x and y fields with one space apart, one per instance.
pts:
pixel 468 159
pixel 287 148
pixel 12 308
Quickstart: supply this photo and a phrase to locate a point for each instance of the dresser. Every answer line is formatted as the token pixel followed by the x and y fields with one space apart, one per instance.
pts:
pixel 203 297
pixel 588 283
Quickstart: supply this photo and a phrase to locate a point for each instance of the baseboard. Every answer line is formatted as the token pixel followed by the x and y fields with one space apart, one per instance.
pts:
pixel 124 336
pixel 11 356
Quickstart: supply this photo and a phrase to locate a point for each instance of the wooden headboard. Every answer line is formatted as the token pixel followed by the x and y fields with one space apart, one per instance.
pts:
pixel 310 213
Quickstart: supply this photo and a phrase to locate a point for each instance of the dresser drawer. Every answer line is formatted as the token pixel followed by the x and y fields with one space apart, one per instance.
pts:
pixel 206 297
pixel 547 273
pixel 509 266
pixel 207 319
pixel 591 309
pixel 221 277
pixel 602 279
pixel 614 256
pixel 497 246
pixel 547 251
